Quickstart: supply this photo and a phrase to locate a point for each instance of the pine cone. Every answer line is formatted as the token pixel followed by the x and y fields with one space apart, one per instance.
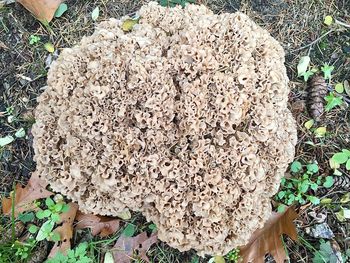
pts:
pixel 341 182
pixel 317 91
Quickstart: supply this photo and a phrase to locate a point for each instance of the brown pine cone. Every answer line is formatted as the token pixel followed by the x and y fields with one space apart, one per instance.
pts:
pixel 317 90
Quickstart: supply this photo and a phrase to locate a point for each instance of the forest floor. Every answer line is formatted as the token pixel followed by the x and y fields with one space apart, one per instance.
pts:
pixel 297 24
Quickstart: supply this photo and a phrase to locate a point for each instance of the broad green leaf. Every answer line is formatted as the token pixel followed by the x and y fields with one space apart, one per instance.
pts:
pixel 346 151
pixel 340 157
pixel 49 47
pixel 129 231
pixel 55 237
pixel 340 215
pixel 328 182
pixel 153 227
pixel 95 13
pixel 347 166
pixel 312 168
pixel 313 199
pixel 314 186
pixel 26 217
pixel 281 194
pixel 295 166
pixel 339 87
pixel 309 124
pixel 55 217
pixel 6 140
pixel 307 75
pixel 128 24
pixel 49 202
pixel 320 132
pixel 303 65
pixel 58 207
pixel 81 249
pixel 45 230
pixel 281 208
pixel 304 186
pixel 327 71
pixel 332 101
pixel 108 258
pixel 328 20
pixel 333 164
pixel 33 229
pixel 41 214
pixel 62 8
pixel 20 133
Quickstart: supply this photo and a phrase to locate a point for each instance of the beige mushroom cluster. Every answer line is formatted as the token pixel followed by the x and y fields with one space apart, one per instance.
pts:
pixel 183 118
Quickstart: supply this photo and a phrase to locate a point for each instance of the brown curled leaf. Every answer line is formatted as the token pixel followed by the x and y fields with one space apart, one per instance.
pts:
pixel 100 225
pixel 25 196
pixel 269 240
pixel 43 10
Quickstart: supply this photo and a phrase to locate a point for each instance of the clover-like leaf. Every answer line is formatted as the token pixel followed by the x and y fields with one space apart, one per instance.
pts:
pixel 328 182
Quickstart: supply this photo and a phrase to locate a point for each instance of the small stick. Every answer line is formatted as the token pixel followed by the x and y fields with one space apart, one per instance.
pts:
pixel 315 41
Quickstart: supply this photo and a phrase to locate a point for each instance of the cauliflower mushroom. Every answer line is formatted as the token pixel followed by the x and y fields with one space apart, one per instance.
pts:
pixel 184 119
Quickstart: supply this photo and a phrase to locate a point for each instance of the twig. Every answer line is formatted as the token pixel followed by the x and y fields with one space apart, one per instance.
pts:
pixel 341 23
pixel 314 42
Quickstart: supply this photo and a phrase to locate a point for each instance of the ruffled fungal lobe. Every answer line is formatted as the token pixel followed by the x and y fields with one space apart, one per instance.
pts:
pixel 184 118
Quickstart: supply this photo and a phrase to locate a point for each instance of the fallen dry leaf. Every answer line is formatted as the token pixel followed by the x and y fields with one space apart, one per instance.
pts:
pixel 100 225
pixel 268 239
pixel 124 248
pixel 65 230
pixel 43 10
pixel 25 197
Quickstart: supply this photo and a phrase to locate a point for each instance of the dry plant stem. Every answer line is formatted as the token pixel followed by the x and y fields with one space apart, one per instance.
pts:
pixel 341 23
pixel 315 41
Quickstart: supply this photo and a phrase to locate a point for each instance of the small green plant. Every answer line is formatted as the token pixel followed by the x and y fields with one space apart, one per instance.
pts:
pixel 172 3
pixel 232 256
pixel 33 39
pixel 339 159
pixel 296 189
pixel 23 249
pixel 77 255
pixel 326 254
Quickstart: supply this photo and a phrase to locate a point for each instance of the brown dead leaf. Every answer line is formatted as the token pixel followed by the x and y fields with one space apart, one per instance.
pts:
pixel 43 10
pixel 65 230
pixel 268 239
pixel 100 225
pixel 125 246
pixel 25 196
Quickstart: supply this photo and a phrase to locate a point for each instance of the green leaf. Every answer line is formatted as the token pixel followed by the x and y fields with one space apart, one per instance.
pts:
pixel 337 172
pixel 307 75
pixel 313 199
pixel 347 166
pixel 65 208
pixel 6 140
pixel 20 133
pixel 303 65
pixel 55 237
pixel 49 202
pixel 325 201
pixel 26 217
pixel 45 230
pixel 281 194
pixel 281 208
pixel 95 13
pixel 339 87
pixel 329 182
pixel 340 157
pixel 219 259
pixel 81 249
pixel 345 198
pixel 332 101
pixel 55 217
pixel 327 71
pixel 58 207
pixel 314 186
pixel 41 214
pixel 295 166
pixel 309 124
pixel 129 230
pixel 312 168
pixel 33 229
pixel 304 186
pixel 62 8
pixel 328 20
pixel 320 132
pixel 152 227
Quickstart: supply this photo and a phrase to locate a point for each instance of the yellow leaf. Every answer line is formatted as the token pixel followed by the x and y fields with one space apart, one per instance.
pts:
pixel 49 47
pixel 320 132
pixel 328 20
pixel 333 164
pixel 219 259
pixel 125 215
pixel 345 198
pixel 128 24
pixel 339 87
pixel 309 124
pixel 325 201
